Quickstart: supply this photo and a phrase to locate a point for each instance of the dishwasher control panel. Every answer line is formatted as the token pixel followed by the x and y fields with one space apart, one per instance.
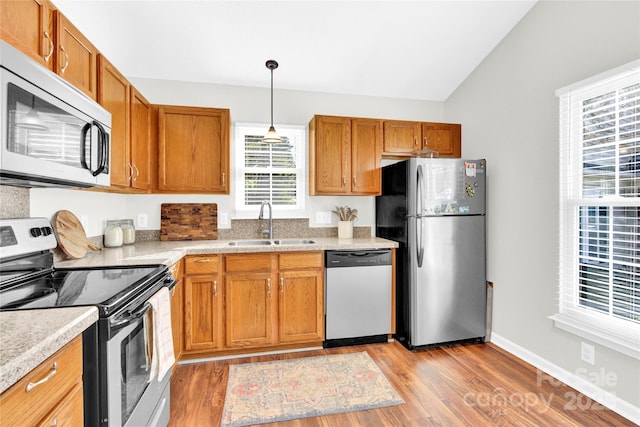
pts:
pixel 360 258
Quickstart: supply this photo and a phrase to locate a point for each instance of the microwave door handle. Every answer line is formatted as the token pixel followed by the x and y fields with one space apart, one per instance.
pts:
pixel 103 147
pixel 83 143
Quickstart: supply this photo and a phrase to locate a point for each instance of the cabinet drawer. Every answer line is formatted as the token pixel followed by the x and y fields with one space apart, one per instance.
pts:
pixel 201 264
pixel 297 260
pixel 70 412
pixel 48 384
pixel 177 270
pixel 247 262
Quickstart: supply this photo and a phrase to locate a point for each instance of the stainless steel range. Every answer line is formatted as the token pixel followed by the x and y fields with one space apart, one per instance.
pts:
pixel 119 389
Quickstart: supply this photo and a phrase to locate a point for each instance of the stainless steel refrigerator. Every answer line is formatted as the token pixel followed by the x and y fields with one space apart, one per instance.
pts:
pixel 435 210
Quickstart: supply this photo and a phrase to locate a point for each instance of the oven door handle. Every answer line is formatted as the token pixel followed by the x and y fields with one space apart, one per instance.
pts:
pixel 130 316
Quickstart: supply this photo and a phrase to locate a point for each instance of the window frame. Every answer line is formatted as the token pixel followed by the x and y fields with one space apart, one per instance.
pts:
pixel 613 332
pixel 299 133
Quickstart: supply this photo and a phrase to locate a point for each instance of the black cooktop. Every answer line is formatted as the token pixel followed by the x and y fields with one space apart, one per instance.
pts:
pixel 107 288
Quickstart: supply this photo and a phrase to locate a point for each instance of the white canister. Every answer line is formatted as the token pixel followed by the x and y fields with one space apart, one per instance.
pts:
pixel 113 236
pixel 128 231
pixel 345 229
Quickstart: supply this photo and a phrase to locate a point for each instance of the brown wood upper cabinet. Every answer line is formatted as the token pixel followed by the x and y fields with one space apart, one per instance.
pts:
pixel 76 58
pixel 28 26
pixel 344 156
pixel 445 138
pixel 193 149
pixel 401 138
pixel 405 138
pixel 131 122
pixel 40 31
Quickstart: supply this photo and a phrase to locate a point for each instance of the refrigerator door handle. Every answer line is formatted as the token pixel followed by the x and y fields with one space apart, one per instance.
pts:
pixel 419 219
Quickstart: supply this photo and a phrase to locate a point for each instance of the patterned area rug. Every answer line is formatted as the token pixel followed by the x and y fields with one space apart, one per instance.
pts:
pixel 306 387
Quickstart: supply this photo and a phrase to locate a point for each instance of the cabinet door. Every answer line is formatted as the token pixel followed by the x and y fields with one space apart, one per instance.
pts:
pixel 177 314
pixel 330 155
pixel 444 138
pixel 114 96
pixel 193 149
pixel 203 313
pixel 27 25
pixel 401 138
pixel 249 309
pixel 301 308
pixel 366 154
pixel 76 59
pixel 141 141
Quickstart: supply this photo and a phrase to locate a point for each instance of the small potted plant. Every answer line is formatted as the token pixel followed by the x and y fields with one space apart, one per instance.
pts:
pixel 346 217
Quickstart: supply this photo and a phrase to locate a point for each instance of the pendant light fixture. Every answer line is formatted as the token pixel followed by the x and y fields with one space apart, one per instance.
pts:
pixel 272 136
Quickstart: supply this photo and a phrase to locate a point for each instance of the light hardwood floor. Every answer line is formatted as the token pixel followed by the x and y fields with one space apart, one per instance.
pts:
pixel 459 385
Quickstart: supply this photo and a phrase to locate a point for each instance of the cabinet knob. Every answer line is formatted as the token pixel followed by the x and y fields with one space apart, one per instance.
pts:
pixel 202 260
pixel 268 286
pixel 425 142
pixel 224 178
pixel 344 181
pixel 282 285
pixel 215 288
pixel 355 182
pixel 415 141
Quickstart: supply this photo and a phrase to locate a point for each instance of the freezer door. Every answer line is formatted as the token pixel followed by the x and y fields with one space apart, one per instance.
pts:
pixel 449 186
pixel 448 293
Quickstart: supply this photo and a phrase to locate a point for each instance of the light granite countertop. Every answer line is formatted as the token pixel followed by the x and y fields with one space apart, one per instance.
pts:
pixel 170 252
pixel 29 337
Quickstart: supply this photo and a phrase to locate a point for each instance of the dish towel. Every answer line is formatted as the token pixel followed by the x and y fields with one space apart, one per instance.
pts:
pixel 162 357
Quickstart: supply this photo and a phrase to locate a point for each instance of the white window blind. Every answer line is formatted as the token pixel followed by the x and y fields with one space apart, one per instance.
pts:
pixel 272 172
pixel 600 209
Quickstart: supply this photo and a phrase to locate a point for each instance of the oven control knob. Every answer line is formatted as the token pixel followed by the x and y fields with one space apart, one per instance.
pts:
pixel 35 232
pixel 46 231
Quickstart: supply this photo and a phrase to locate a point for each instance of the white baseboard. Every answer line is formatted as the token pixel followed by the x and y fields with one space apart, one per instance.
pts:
pixel 605 398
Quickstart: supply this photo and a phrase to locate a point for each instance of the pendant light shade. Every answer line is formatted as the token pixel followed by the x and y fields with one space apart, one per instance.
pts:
pixel 272 136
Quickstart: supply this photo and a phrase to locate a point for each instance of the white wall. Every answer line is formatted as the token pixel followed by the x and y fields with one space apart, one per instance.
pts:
pixel 247 104
pixel 509 114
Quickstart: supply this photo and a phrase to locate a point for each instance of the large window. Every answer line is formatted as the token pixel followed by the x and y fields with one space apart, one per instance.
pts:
pixel 600 209
pixel 272 172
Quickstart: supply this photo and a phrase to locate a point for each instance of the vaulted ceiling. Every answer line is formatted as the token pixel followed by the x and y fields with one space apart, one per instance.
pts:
pixel 401 49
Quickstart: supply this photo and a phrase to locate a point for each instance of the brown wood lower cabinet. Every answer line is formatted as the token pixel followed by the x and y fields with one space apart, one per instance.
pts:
pixel 51 394
pixel 203 296
pixel 301 297
pixel 253 301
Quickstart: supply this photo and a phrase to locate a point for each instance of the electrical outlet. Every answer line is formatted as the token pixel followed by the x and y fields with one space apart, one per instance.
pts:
pixel 142 220
pixel 223 219
pixel 588 353
pixel 323 217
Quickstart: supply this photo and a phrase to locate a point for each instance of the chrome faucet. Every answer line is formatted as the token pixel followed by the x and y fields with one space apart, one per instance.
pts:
pixel 268 233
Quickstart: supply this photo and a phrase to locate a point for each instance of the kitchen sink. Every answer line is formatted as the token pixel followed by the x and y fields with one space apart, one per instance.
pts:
pixel 250 243
pixel 293 242
pixel 271 242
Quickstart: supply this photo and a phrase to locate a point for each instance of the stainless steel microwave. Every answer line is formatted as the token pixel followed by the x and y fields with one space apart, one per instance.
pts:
pixel 51 133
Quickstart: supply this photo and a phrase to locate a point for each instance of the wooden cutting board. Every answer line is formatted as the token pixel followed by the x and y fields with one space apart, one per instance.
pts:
pixel 189 221
pixel 72 239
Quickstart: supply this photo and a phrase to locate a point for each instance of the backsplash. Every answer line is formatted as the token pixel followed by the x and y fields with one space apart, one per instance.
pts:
pixel 251 229
pixel 15 202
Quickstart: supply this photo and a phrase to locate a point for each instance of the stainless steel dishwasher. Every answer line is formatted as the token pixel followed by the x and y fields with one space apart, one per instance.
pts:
pixel 357 297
